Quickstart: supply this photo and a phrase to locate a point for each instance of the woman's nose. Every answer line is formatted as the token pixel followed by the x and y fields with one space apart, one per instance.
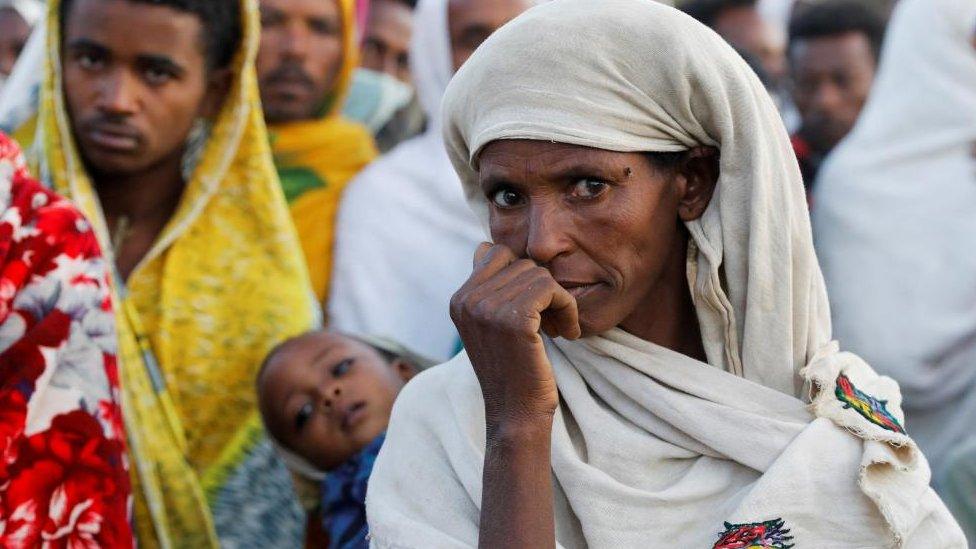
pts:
pixel 548 235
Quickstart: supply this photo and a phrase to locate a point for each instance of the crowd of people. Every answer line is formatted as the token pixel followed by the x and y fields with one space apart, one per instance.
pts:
pixel 497 273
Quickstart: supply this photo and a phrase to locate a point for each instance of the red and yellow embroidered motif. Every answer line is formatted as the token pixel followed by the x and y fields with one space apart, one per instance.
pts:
pixel 771 534
pixel 873 409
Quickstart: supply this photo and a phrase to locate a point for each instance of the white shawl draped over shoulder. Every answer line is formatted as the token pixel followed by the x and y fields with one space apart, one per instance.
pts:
pixel 779 436
pixel 895 223
pixel 405 235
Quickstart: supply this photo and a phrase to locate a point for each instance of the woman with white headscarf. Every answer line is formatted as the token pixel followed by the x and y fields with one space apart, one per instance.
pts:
pixel 895 223
pixel 405 235
pixel 641 193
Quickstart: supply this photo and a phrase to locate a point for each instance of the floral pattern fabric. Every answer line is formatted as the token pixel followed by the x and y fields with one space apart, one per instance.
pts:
pixel 63 474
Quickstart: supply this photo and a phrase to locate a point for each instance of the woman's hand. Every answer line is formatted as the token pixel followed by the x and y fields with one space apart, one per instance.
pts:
pixel 499 313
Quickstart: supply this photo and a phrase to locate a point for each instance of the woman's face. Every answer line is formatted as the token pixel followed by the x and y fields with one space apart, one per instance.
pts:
pixel 607 225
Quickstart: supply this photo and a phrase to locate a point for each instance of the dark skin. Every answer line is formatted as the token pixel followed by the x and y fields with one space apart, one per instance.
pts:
pixel 14 33
pixel 745 28
pixel 386 44
pixel 471 22
pixel 326 396
pixel 585 240
pixel 833 77
pixel 135 80
pixel 300 57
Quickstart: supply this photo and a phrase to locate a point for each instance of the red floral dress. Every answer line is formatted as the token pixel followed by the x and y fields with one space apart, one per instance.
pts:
pixel 63 474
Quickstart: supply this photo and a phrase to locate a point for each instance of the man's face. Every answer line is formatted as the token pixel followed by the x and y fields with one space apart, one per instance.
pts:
pixel 135 79
pixel 471 22
pixel 832 77
pixel 386 45
pixel 300 57
pixel 13 35
pixel 745 29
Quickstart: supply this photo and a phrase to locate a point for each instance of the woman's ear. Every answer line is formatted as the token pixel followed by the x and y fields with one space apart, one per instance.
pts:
pixel 699 173
pixel 404 369
pixel 218 84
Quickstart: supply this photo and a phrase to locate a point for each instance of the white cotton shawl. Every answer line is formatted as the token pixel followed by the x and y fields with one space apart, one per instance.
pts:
pixel 651 448
pixel 895 220
pixel 405 235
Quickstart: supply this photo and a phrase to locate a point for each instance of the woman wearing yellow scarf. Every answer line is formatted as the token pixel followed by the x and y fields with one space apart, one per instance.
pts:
pixel 307 57
pixel 202 297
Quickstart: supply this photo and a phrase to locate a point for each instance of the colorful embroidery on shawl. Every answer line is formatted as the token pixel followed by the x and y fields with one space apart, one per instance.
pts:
pixel 772 534
pixel 874 410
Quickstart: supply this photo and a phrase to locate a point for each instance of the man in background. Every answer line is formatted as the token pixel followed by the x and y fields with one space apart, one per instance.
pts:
pixel 833 52
pixel 741 24
pixel 305 65
pixel 382 95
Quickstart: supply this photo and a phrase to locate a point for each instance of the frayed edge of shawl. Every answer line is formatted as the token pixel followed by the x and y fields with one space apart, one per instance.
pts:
pixel 883 448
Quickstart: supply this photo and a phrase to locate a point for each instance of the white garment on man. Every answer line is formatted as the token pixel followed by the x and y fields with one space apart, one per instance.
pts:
pixel 405 236
pixel 895 220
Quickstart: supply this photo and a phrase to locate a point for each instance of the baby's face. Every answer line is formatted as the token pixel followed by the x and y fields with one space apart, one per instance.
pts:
pixel 326 396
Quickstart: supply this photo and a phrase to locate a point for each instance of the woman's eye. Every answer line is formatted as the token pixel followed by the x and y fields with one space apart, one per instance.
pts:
pixel 506 198
pixel 303 415
pixel 589 188
pixel 342 368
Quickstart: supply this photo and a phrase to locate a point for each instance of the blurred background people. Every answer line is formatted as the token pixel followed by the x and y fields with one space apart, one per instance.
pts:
pixel 894 224
pixel 157 135
pixel 382 96
pixel 17 18
pixel 405 233
pixel 833 53
pixel 305 65
pixel 959 486
pixel 742 25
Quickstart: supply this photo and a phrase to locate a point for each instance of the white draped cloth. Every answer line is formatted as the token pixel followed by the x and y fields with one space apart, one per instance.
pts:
pixel 895 223
pixel 405 235
pixel 778 434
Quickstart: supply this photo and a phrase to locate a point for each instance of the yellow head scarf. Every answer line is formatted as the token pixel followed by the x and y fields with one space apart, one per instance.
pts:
pixel 317 158
pixel 223 284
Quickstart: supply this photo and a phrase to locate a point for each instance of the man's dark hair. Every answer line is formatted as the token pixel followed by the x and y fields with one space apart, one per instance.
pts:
pixel 221 20
pixel 707 12
pixel 836 17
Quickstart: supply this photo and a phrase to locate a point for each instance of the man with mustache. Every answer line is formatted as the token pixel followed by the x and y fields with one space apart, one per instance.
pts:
pixel 305 64
pixel 150 122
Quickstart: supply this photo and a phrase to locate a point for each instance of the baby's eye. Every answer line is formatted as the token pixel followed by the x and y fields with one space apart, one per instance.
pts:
pixel 342 368
pixel 303 415
pixel 589 188
pixel 506 197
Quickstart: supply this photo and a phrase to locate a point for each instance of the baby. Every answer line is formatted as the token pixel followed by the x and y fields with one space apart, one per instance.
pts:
pixel 326 401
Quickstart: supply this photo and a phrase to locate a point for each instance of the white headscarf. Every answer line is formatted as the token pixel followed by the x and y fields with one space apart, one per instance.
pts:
pixel 405 235
pixel 650 447
pixel 895 218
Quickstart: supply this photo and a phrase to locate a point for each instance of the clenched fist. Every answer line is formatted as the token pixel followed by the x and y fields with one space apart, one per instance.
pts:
pixel 500 312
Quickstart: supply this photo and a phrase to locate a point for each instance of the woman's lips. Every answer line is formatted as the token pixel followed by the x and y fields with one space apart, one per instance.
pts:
pixel 579 289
